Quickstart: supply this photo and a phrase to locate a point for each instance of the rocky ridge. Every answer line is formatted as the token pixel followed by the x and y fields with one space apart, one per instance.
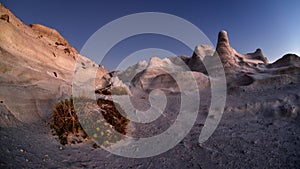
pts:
pixel 249 70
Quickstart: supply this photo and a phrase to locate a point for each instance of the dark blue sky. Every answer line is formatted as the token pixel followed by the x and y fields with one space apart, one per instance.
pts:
pixel 273 25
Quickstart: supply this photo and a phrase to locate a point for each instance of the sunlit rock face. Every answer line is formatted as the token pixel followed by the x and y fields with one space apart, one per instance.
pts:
pixel 36 69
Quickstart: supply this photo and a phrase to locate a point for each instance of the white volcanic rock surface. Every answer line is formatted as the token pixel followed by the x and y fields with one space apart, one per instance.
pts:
pixel 36 68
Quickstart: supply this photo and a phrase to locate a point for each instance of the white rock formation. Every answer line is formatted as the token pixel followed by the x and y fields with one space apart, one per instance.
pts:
pixel 36 68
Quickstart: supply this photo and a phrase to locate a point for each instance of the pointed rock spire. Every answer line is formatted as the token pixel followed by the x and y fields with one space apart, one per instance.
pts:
pixel 223 46
pixel 225 51
pixel 223 37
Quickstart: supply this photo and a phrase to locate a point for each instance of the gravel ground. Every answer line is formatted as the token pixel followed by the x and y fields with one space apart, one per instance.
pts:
pixel 251 134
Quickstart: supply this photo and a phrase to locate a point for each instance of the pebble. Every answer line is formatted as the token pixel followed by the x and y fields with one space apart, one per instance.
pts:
pixel 254 142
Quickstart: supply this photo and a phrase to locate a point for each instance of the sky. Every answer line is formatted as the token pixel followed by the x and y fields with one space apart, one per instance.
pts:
pixel 272 25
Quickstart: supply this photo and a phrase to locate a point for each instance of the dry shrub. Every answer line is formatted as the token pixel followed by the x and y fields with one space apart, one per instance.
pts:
pixel 101 125
pixel 113 116
pixel 65 121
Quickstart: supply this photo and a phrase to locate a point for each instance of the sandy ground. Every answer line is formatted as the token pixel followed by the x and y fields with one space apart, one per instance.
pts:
pixel 251 134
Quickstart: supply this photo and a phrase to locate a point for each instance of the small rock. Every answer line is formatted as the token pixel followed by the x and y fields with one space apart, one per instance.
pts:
pixel 254 142
pixel 288 110
pixel 5 17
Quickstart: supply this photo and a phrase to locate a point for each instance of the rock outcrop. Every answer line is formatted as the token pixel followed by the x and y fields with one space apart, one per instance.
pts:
pixel 53 35
pixel 286 60
pixel 249 70
pixel 196 61
pixel 36 69
pixel 231 58
pixel 225 51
